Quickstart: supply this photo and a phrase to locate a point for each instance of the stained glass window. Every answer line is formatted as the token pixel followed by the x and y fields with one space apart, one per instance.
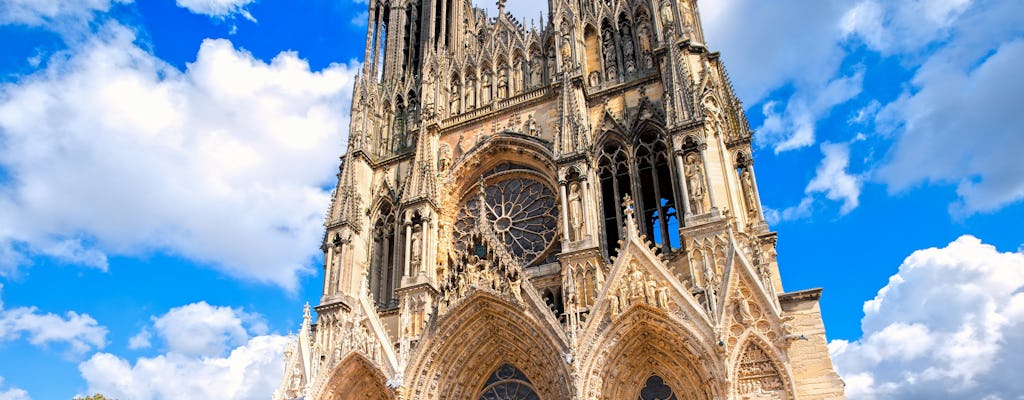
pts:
pixel 508 383
pixel 519 209
pixel 656 389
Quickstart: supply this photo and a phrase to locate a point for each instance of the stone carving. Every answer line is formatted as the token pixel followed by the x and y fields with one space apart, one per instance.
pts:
pixel 536 71
pixel 749 198
pixel 757 377
pixel 502 83
pixel 577 223
pixel 530 127
pixel 485 87
pixel 695 183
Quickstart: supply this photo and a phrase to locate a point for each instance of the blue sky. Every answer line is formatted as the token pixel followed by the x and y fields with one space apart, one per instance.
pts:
pixel 165 167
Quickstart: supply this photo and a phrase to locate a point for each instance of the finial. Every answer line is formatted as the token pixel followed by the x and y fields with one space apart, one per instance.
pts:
pixel 501 7
pixel 627 203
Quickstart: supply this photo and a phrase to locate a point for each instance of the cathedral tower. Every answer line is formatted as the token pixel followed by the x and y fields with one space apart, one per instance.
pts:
pixel 563 211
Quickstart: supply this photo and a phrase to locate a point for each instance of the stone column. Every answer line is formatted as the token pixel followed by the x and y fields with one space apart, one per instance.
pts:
pixel 565 211
pixel 408 246
pixel 707 176
pixel 682 184
pixel 757 192
pixel 423 244
pixel 328 260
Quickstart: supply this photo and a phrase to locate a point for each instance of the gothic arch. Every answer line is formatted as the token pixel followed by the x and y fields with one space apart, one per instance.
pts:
pixel 483 332
pixel 356 378
pixel 494 150
pixel 645 341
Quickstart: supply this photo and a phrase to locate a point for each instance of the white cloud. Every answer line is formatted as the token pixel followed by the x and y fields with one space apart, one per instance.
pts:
pixel 831 178
pixel 218 8
pixel 789 43
pixel 902 26
pixel 251 371
pixel 141 340
pixel 949 325
pixel 200 329
pixel 961 125
pixel 80 332
pixel 110 150
pixel 12 393
pixel 46 12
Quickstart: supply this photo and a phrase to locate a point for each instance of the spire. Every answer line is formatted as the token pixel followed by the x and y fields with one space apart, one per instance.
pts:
pixel 422 182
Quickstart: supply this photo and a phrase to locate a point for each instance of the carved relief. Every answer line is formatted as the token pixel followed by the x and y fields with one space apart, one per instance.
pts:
pixel 757 377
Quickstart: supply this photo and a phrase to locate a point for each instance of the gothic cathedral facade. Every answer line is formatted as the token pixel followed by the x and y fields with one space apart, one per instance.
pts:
pixel 567 211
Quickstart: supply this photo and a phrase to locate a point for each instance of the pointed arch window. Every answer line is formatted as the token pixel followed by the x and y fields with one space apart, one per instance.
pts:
pixel 657 200
pixel 508 383
pixel 656 389
pixel 384 271
pixel 613 171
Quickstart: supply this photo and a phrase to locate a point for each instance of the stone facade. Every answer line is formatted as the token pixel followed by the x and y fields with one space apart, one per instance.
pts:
pixel 564 212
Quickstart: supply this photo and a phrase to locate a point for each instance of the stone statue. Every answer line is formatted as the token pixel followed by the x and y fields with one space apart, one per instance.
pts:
pixel 576 222
pixel 416 251
pixel 628 50
pixel 530 127
pixel 595 79
pixel 517 76
pixel 485 88
pixel 566 50
pixel 695 183
pixel 470 94
pixel 502 83
pixel 644 36
pixel 536 72
pixel 610 61
pixel 455 98
pixel 613 305
pixel 668 18
pixel 748 190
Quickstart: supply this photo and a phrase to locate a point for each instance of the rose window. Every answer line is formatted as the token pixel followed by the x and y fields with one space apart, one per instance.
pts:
pixel 517 207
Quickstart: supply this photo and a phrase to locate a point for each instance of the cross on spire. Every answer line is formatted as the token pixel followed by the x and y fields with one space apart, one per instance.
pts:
pixel 501 7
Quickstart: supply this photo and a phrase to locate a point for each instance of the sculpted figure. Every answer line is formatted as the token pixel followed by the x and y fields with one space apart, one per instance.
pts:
pixel 471 94
pixel 748 191
pixel 485 88
pixel 536 72
pixel 695 183
pixel 502 83
pixel 576 212
pixel 416 251
pixel 455 98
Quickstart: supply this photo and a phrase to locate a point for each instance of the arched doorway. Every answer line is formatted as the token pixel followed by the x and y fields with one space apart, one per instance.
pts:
pixel 356 378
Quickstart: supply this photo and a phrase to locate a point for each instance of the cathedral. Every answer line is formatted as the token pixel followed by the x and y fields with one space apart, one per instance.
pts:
pixel 558 211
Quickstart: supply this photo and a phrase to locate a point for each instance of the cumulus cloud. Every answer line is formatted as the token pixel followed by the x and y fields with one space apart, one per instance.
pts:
pixel 47 12
pixel 12 393
pixel 250 371
pixel 959 123
pixel 79 332
pixel 218 8
pixel 949 325
pixel 110 150
pixel 200 329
